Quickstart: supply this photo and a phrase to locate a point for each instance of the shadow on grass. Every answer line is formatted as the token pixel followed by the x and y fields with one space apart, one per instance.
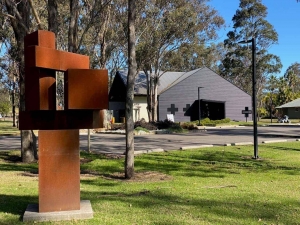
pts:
pixel 16 204
pixel 245 208
pixel 205 163
pixel 217 163
pixel 273 147
pixel 13 163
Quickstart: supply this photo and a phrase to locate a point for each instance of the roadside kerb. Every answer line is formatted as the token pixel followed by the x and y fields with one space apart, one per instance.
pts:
pixel 274 141
pixel 148 151
pixel 195 146
pixel 242 143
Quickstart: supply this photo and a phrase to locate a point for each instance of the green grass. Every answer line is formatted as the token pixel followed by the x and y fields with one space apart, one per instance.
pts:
pixel 6 128
pixel 261 122
pixel 220 185
pixel 137 129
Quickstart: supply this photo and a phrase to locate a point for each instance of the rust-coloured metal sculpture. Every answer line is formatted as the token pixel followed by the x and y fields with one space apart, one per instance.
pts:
pixel 86 93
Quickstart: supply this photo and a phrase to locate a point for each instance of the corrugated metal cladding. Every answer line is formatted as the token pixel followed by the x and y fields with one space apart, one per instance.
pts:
pixel 215 88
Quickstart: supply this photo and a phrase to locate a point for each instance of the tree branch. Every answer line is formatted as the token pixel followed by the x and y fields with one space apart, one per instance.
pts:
pixel 14 18
pixel 35 15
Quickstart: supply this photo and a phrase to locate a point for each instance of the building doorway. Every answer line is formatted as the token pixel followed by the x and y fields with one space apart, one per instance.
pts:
pixel 214 110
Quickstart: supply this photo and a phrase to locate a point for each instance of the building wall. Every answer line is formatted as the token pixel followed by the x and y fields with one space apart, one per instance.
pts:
pixel 293 113
pixel 118 109
pixel 140 108
pixel 215 88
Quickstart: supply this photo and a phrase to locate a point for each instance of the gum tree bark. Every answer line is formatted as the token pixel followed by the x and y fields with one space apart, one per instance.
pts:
pixel 73 26
pixel 20 24
pixel 52 16
pixel 132 71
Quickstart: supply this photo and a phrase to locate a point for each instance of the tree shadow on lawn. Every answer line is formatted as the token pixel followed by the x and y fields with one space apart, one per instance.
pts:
pixel 208 163
pixel 16 204
pixel 247 207
pixel 13 163
pixel 197 163
pixel 273 147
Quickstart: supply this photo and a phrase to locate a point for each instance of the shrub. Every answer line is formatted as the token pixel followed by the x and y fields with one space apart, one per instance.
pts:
pixel 118 126
pixel 141 129
pixel 208 122
pixel 176 129
pixel 189 125
pixel 148 126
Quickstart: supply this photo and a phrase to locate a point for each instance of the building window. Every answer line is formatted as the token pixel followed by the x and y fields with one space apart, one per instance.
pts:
pixel 296 109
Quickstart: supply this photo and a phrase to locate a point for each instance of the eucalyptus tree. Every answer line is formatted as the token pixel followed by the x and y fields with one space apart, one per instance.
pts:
pixel 17 19
pixel 292 76
pixel 250 22
pixel 190 56
pixel 164 27
pixel 87 25
pixel 132 72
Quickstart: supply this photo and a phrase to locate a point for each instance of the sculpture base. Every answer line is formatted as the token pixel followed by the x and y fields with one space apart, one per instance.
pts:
pixel 32 213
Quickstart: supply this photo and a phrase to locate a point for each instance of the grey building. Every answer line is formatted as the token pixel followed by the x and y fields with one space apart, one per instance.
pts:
pixel 178 95
pixel 218 97
pixel 291 109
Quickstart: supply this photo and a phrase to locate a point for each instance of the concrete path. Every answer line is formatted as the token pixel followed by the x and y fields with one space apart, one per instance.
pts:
pixel 115 143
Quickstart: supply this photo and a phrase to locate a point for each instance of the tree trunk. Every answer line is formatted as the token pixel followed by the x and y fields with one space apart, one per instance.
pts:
pixel 28 146
pixel 13 100
pixel 155 101
pixel 102 38
pixel 20 27
pixel 149 95
pixel 52 16
pixel 73 26
pixel 132 71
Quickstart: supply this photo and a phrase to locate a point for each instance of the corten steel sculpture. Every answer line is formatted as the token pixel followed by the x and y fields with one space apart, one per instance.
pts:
pixel 86 93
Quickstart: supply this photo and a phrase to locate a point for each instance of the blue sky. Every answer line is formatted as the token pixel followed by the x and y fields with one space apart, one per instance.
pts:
pixel 284 15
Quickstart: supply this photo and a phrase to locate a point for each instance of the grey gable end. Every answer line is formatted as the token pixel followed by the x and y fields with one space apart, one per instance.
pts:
pixel 219 98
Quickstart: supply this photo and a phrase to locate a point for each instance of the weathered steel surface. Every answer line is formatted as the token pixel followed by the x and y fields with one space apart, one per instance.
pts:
pixel 59 170
pixel 86 89
pixel 41 38
pixel 60 120
pixel 86 93
pixel 53 59
pixel 39 83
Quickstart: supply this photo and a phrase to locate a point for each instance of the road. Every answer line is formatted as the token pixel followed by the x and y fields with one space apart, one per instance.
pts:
pixel 115 143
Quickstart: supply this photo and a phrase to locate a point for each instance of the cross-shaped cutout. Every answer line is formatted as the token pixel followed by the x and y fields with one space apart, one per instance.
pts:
pixel 172 109
pixel 186 107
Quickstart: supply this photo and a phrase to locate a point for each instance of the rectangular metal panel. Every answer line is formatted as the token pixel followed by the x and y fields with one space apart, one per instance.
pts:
pixel 59 170
pixel 86 89
pixel 59 120
pixel 70 60
pixel 41 38
pixel 47 91
pixel 53 59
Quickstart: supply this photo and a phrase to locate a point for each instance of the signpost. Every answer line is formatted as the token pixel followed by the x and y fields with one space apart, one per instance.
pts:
pixel 246 112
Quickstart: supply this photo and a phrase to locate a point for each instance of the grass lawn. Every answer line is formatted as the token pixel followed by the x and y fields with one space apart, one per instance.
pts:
pixel 261 122
pixel 7 128
pixel 220 185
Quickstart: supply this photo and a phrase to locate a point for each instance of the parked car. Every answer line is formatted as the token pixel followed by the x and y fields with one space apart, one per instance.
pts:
pixel 284 119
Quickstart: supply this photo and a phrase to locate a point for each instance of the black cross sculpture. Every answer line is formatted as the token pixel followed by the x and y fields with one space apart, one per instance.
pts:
pixel 186 107
pixel 172 109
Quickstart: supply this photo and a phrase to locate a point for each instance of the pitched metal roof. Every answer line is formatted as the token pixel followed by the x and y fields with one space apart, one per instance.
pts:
pixel 292 104
pixel 140 88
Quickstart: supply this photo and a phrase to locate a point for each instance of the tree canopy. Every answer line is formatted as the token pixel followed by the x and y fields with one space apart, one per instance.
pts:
pixel 249 22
